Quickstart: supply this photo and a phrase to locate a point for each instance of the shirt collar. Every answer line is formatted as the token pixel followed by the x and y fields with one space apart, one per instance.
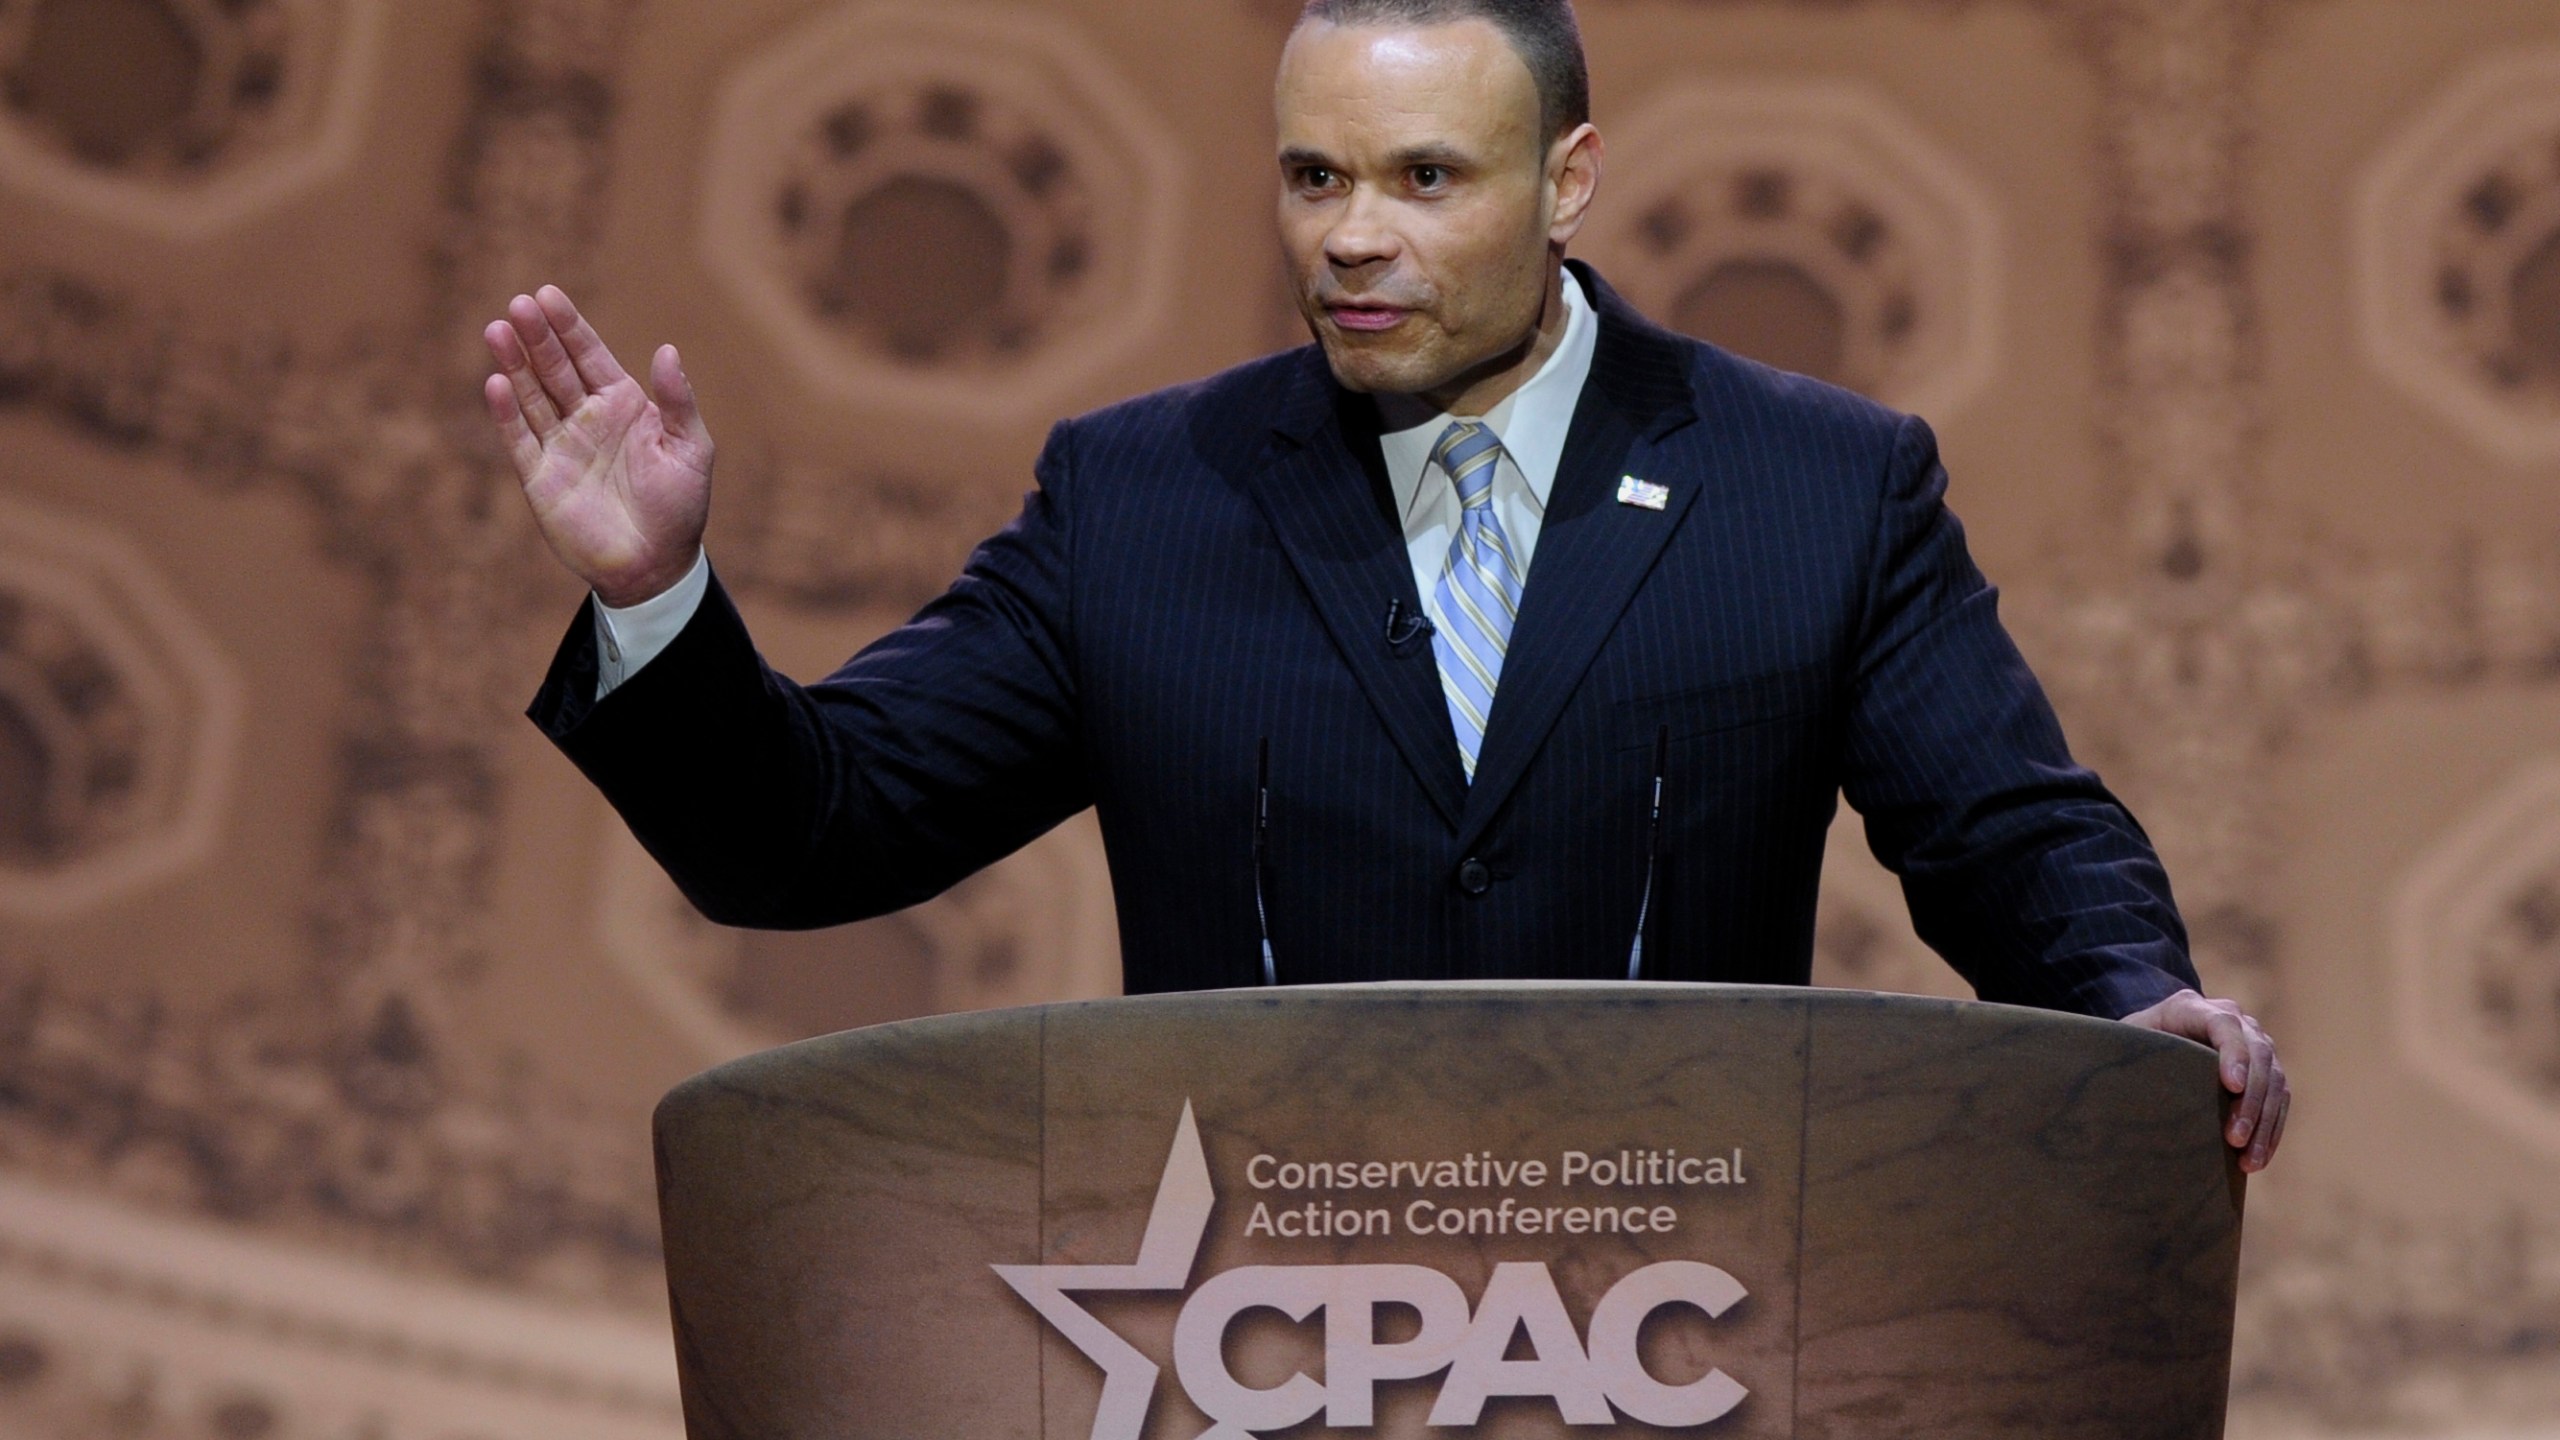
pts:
pixel 1532 421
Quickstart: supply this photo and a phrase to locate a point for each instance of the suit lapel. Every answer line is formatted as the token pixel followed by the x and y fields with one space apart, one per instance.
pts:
pixel 1593 552
pixel 1321 499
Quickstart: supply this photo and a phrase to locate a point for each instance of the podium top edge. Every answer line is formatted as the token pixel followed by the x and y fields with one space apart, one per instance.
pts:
pixel 1610 992
pixel 1600 994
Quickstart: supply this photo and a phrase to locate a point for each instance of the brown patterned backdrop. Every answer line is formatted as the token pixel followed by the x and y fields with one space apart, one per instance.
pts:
pixel 331 1004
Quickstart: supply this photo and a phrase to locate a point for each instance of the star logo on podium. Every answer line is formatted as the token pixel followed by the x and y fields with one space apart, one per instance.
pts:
pixel 1165 1255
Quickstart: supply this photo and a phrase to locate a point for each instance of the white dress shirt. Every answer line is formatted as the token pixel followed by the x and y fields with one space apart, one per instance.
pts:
pixel 1531 423
pixel 632 636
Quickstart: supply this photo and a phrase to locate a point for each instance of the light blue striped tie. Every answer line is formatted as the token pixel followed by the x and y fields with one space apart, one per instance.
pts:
pixel 1479 590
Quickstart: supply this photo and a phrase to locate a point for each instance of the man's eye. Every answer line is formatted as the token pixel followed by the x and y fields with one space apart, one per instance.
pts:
pixel 1429 177
pixel 1315 177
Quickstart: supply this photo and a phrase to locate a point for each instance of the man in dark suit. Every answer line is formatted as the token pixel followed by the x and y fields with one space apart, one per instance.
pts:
pixel 1498 634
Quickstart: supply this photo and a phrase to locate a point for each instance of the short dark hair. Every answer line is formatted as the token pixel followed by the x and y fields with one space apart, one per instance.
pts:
pixel 1542 31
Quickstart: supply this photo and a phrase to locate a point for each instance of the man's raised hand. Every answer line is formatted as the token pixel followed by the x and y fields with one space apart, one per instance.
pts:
pixel 619 478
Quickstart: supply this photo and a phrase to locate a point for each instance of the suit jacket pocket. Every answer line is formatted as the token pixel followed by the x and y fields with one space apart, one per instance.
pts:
pixel 1727 705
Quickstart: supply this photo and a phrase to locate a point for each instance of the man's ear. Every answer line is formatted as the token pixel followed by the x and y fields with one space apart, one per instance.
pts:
pixel 1573 168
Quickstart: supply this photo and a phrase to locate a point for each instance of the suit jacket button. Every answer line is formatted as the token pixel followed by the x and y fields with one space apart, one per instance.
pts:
pixel 1473 877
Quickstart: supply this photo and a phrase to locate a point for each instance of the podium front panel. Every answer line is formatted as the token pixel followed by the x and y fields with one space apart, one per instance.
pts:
pixel 1502 1210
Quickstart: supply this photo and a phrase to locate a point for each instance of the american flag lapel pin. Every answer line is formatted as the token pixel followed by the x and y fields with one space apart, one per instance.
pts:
pixel 1643 494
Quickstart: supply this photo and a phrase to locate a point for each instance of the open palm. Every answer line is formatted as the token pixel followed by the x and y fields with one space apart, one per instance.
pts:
pixel 619 477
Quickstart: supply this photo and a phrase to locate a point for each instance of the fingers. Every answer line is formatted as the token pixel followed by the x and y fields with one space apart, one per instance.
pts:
pixel 2259 1057
pixel 677 405
pixel 2247 1064
pixel 2218 1023
pixel 2270 1128
pixel 523 446
pixel 578 340
pixel 546 357
pixel 532 402
pixel 2225 1029
pixel 2250 1071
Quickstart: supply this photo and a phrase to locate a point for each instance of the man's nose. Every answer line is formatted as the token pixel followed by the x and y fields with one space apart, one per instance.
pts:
pixel 1362 235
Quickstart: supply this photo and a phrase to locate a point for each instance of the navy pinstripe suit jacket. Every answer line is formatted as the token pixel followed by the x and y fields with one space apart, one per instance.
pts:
pixel 1211 566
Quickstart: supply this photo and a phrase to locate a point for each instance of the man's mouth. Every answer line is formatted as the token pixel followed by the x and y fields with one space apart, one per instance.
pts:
pixel 1366 318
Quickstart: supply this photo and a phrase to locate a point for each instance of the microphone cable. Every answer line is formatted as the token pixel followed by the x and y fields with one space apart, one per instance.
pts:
pixel 1261 844
pixel 1652 851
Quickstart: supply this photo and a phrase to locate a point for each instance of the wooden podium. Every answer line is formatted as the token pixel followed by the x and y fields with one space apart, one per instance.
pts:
pixel 1493 1209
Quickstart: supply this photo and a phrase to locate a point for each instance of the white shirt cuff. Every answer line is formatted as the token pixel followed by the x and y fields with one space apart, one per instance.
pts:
pixel 632 636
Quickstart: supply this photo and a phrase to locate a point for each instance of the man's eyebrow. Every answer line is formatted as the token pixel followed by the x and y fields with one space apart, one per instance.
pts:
pixel 1437 153
pixel 1296 156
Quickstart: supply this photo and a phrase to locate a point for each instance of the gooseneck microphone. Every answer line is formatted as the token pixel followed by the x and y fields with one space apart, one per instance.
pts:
pixel 1404 629
pixel 1652 851
pixel 1261 840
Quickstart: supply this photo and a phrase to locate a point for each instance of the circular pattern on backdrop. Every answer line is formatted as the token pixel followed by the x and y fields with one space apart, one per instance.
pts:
pixel 180 116
pixel 1806 225
pixel 118 719
pixel 142 86
pixel 2475 939
pixel 937 225
pixel 955 210
pixel 2458 256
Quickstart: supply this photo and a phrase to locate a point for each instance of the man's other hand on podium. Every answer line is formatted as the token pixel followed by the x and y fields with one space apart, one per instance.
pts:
pixel 2250 1070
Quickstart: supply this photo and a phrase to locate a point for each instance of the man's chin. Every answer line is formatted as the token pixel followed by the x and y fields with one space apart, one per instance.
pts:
pixel 1368 370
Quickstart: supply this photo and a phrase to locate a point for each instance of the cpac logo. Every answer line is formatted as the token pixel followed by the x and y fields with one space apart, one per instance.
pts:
pixel 1583 1379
